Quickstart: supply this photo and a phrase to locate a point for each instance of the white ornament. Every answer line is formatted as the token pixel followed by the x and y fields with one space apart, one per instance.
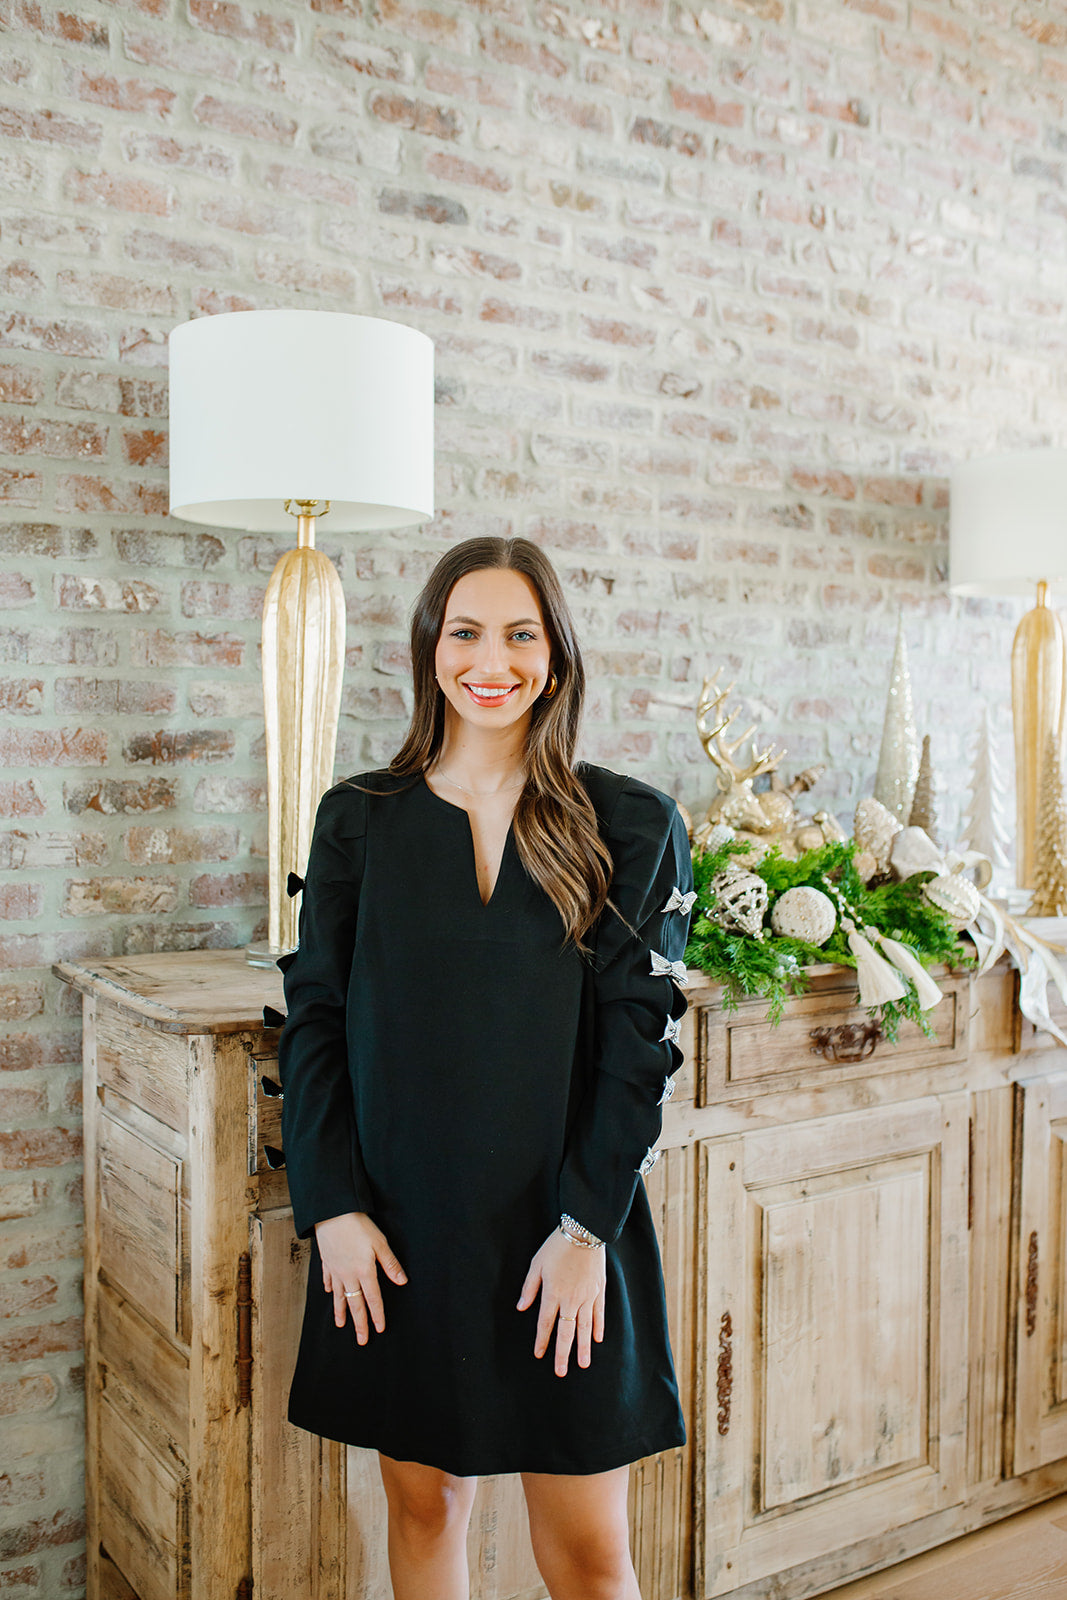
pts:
pixel 740 901
pixel 956 897
pixel 804 913
pixel 914 851
pixel 874 830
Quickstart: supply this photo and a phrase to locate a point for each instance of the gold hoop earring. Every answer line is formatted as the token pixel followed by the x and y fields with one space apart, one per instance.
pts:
pixel 551 687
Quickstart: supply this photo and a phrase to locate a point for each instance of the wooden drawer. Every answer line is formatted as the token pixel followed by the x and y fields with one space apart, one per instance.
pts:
pixel 145 1066
pixel 823 1037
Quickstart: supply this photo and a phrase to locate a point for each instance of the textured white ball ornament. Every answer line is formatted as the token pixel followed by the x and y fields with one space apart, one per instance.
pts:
pixel 804 913
pixel 956 897
pixel 721 834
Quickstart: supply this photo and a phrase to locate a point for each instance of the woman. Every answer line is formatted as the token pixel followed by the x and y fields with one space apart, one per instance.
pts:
pixel 481 1029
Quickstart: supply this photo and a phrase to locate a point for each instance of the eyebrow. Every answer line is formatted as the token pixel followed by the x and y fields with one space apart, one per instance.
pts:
pixel 522 622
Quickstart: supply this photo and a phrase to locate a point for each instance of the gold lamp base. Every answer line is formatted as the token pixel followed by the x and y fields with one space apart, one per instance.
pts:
pixel 303 664
pixel 1038 680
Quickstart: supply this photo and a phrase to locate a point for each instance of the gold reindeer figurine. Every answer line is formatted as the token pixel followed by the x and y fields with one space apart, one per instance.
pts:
pixel 765 818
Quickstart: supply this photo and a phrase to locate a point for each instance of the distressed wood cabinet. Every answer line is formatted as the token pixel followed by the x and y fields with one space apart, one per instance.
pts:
pixel 864 1257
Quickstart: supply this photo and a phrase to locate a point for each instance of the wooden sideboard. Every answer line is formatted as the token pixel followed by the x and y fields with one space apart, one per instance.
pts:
pixel 865 1253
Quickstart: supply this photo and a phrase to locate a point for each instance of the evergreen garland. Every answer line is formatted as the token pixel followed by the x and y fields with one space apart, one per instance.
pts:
pixel 774 968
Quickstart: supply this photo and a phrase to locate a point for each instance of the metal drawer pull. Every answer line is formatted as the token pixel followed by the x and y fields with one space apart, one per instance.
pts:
pixel 849 1041
pixel 724 1376
pixel 1031 1287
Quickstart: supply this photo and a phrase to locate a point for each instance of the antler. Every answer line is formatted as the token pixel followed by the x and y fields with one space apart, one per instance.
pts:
pixel 718 750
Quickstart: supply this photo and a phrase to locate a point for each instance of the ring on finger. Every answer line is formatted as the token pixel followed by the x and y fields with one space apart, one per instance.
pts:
pixel 568 1319
pixel 353 1294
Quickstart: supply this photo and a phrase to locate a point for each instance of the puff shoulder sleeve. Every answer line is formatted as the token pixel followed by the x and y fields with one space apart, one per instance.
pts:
pixel 323 1162
pixel 638 974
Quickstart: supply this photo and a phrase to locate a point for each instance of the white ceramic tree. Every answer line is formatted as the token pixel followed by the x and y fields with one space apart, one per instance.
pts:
pixel 984 827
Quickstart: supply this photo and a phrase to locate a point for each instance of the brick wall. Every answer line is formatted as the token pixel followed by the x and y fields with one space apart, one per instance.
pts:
pixel 719 291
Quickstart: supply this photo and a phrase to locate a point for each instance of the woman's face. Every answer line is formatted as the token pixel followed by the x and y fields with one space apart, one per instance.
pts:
pixel 493 654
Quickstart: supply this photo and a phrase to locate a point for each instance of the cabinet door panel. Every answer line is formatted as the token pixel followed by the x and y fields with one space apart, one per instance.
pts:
pixel 1040 1412
pixel 297 1505
pixel 835 1332
pixel 138 1220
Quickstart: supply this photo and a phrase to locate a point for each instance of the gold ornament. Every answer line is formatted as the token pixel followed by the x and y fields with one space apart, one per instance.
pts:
pixel 874 830
pixel 740 901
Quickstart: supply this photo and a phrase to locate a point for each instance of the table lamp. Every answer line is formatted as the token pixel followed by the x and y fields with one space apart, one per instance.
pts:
pixel 1008 536
pixel 283 415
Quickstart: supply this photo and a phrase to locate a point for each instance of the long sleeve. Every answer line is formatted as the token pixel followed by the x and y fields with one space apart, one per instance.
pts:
pixel 323 1162
pixel 637 1004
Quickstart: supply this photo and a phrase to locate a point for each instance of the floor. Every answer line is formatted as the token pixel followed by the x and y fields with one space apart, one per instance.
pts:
pixel 1022 1558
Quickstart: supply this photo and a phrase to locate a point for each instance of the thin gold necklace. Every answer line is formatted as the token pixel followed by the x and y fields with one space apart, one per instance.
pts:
pixel 482 794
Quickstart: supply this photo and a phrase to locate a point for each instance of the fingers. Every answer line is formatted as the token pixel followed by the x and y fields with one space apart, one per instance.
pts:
pixel 391 1267
pixel 598 1318
pixel 529 1290
pixel 545 1319
pixel 584 1333
pixel 371 1300
pixel 357 1307
pixel 565 1332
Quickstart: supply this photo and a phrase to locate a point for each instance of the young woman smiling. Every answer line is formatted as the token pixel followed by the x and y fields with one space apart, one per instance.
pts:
pixel 482 1024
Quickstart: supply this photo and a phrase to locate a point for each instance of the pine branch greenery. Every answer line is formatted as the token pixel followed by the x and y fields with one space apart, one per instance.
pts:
pixel 773 968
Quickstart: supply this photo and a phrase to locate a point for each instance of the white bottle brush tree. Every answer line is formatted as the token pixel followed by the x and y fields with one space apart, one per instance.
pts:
pixel 984 826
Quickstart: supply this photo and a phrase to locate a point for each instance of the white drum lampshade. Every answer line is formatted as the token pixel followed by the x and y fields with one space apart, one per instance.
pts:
pixel 267 406
pixel 326 413
pixel 1008 536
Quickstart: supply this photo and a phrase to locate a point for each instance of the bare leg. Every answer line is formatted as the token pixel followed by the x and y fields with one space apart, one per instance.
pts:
pixel 581 1535
pixel 428 1515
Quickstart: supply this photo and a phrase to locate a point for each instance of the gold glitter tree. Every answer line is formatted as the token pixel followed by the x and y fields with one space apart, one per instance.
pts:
pixel 923 809
pixel 1050 846
pixel 898 758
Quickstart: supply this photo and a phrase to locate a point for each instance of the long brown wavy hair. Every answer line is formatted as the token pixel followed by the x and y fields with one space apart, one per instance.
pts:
pixel 555 825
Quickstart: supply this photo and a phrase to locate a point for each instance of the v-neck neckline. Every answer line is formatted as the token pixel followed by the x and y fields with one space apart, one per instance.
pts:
pixel 465 814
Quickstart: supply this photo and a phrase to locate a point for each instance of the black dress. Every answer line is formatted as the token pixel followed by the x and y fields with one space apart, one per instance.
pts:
pixel 452 1070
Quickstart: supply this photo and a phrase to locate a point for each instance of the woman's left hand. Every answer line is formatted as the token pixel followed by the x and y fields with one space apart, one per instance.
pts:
pixel 572 1281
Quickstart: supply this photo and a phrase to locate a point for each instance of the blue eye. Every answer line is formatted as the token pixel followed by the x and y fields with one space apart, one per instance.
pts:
pixel 462 633
pixel 523 634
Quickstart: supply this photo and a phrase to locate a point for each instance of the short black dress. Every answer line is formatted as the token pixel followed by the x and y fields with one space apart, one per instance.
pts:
pixel 455 1071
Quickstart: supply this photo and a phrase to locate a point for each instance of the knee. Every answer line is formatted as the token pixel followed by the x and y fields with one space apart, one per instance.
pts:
pixel 427 1504
pixel 596 1564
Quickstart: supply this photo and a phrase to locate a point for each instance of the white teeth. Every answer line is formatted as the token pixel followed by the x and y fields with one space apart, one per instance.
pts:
pixel 489 694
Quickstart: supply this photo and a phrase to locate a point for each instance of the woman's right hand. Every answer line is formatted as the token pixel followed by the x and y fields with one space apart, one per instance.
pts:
pixel 351 1246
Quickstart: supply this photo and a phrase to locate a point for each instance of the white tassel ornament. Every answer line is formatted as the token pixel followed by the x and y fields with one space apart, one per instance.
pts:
pixel 910 965
pixel 878 981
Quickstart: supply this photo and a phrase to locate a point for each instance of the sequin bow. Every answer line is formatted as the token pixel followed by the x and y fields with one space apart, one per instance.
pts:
pixel 671 1031
pixel 681 902
pixel 661 967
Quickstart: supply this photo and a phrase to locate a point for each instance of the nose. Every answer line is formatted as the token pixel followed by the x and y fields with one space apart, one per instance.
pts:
pixel 492 654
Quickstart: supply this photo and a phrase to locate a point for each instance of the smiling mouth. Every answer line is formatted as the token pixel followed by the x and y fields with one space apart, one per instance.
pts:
pixel 490 694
